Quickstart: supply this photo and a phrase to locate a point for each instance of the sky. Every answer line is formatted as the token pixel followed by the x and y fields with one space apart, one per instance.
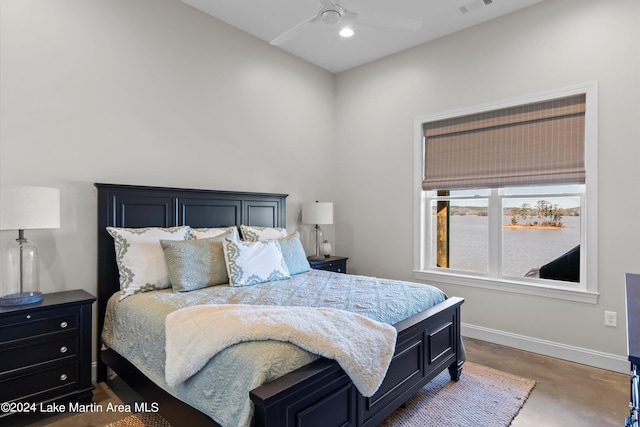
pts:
pixel 563 199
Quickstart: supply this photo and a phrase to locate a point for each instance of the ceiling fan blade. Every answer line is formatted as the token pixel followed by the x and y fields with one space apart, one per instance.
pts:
pixel 293 31
pixel 383 20
pixel 326 3
pixel 349 15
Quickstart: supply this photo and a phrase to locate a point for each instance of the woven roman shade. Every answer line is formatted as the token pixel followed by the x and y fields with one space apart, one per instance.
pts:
pixel 534 144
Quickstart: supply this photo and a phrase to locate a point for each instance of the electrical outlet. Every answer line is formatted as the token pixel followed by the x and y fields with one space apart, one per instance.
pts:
pixel 611 318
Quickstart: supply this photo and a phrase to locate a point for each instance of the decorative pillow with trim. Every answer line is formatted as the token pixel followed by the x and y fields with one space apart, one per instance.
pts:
pixel 205 233
pixel 253 234
pixel 293 253
pixel 140 257
pixel 250 263
pixel 196 263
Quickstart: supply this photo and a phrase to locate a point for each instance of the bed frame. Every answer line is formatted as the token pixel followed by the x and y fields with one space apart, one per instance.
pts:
pixel 318 394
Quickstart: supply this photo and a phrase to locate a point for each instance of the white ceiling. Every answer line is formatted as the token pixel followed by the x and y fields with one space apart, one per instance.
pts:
pixel 320 44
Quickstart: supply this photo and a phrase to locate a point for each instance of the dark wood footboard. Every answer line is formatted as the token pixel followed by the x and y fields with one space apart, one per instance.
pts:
pixel 322 394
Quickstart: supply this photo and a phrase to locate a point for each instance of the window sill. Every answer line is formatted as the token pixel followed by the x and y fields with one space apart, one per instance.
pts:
pixel 577 295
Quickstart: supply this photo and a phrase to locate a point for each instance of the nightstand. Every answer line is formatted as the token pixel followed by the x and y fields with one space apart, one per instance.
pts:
pixel 332 263
pixel 45 349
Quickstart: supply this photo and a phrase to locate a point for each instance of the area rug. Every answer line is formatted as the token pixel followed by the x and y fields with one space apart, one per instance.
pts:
pixel 483 397
pixel 141 420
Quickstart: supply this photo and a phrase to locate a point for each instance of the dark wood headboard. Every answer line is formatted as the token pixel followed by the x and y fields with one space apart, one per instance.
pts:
pixel 139 206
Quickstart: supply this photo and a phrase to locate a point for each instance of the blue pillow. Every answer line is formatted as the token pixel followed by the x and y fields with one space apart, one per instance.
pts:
pixel 293 253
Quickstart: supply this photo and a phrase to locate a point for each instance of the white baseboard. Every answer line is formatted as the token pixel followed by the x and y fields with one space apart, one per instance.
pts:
pixel 585 356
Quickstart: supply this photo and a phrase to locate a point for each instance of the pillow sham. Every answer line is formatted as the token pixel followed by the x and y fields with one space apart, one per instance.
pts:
pixel 253 234
pixel 140 257
pixel 293 253
pixel 250 263
pixel 205 233
pixel 196 263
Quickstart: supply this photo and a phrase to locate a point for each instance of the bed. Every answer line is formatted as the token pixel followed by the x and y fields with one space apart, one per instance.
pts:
pixel 318 392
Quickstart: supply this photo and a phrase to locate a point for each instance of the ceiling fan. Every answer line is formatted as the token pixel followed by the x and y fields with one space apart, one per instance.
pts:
pixel 331 13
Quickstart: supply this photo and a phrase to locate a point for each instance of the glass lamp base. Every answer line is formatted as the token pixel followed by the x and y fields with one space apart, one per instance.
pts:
pixel 21 298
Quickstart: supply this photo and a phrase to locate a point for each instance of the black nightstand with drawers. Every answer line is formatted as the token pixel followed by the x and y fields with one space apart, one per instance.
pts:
pixel 45 349
pixel 332 263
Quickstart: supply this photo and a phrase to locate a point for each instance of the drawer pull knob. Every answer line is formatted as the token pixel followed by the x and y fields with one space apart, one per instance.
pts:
pixel 63 325
pixel 63 377
pixel 28 316
pixel 63 349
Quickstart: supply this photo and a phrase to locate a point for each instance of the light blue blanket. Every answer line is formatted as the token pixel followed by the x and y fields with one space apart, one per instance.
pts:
pixel 135 328
pixel 362 347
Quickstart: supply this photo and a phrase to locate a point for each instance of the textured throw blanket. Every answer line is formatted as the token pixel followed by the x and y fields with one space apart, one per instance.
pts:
pixel 363 347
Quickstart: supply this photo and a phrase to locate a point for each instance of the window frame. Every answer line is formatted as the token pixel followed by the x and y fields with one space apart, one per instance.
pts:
pixel 587 290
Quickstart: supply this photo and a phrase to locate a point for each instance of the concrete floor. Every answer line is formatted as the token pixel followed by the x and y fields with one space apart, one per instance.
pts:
pixel 566 394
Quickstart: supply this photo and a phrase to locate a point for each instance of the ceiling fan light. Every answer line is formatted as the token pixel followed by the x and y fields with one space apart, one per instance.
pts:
pixel 346 32
pixel 331 17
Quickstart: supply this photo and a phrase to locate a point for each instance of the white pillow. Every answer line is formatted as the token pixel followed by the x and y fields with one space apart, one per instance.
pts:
pixel 250 263
pixel 140 257
pixel 205 233
pixel 254 234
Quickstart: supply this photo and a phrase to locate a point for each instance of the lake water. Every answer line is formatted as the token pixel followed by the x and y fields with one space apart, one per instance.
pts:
pixel 524 248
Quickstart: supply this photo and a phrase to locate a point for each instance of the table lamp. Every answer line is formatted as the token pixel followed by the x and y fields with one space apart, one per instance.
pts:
pixel 25 208
pixel 317 213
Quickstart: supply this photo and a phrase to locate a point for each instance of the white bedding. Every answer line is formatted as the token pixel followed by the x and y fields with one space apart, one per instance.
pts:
pixel 363 347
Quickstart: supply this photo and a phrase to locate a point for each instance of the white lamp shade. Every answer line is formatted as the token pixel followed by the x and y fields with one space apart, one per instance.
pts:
pixel 27 208
pixel 317 213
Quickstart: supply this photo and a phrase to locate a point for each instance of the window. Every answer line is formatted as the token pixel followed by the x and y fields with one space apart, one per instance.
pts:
pixel 534 227
pixel 506 195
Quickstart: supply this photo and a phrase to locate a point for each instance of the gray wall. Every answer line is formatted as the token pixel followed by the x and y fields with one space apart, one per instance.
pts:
pixel 153 92
pixel 150 92
pixel 551 45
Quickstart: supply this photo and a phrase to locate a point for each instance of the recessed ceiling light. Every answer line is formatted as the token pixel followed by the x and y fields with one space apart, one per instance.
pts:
pixel 346 32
